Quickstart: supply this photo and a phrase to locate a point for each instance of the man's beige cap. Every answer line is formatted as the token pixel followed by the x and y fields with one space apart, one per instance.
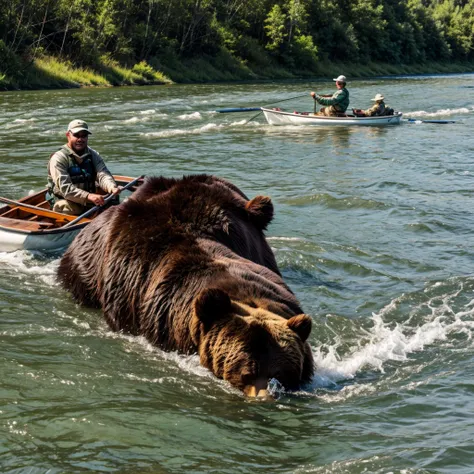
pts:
pixel 78 126
pixel 378 97
pixel 341 78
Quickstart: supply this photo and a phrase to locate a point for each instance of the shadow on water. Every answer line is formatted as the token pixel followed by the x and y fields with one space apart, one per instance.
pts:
pixel 308 278
pixel 338 136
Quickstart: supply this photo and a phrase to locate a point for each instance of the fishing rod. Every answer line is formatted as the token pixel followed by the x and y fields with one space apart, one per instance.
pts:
pixel 251 109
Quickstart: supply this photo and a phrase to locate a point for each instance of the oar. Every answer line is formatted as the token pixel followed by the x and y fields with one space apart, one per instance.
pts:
pixel 414 120
pixel 106 200
pixel 40 211
pixel 237 109
pixel 255 116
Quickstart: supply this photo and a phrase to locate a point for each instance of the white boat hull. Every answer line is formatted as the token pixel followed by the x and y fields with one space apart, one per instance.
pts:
pixel 11 240
pixel 280 117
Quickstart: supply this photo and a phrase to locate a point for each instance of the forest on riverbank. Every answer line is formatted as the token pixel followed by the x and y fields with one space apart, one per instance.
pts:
pixel 68 43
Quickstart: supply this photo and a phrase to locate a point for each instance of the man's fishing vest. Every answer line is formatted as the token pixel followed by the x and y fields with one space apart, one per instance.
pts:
pixel 83 175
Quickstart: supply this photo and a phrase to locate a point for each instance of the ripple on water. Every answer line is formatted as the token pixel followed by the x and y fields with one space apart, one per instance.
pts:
pixel 337 203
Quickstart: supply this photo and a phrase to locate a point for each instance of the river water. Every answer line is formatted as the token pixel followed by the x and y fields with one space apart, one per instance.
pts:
pixel 373 231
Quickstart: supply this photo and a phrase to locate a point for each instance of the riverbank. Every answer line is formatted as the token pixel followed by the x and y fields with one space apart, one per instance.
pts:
pixel 51 73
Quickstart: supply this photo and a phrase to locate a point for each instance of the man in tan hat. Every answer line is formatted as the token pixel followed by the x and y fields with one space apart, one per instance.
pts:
pixel 336 103
pixel 73 172
pixel 379 108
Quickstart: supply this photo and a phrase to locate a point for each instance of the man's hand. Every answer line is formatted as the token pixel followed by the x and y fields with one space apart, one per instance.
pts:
pixel 96 199
pixel 313 95
pixel 117 190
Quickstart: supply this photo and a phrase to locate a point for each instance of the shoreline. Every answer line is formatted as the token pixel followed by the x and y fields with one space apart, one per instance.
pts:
pixel 51 74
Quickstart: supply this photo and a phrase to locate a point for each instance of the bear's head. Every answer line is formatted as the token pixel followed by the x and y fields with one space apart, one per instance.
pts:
pixel 248 345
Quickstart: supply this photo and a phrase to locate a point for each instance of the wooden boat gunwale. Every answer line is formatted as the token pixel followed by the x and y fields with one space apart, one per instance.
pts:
pixel 12 226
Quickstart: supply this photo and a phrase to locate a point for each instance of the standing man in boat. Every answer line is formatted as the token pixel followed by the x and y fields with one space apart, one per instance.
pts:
pixel 337 103
pixel 73 172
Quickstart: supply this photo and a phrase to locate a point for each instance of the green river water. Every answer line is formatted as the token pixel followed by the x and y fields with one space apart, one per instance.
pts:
pixel 373 231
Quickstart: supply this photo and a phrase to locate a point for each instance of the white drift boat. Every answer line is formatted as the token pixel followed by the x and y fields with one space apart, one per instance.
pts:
pixel 29 224
pixel 281 117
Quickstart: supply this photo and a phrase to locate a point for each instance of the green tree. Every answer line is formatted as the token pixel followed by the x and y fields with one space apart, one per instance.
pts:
pixel 275 28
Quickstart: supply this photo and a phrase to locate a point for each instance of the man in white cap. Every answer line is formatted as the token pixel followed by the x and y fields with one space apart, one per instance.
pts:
pixel 73 172
pixel 337 103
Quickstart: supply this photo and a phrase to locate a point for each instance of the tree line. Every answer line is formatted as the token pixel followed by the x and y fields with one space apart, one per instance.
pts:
pixel 295 34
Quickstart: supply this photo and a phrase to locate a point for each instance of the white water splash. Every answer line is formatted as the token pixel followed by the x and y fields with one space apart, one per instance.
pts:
pixel 441 112
pixel 193 116
pixel 388 342
pixel 210 127
pixel 177 131
pixel 186 363
pixel 134 120
pixel 22 263
pixel 286 239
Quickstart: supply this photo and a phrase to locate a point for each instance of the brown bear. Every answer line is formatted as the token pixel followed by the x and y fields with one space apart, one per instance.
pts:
pixel 185 263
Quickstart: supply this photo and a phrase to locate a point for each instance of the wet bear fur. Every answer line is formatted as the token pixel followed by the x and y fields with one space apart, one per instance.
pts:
pixel 185 263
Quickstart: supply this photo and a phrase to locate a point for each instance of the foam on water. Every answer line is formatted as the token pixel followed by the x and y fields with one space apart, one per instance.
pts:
pixel 134 120
pixel 23 263
pixel 193 116
pixel 285 239
pixel 189 364
pixel 17 123
pixel 386 341
pixel 441 112
pixel 209 127
pixel 179 131
pixel 146 116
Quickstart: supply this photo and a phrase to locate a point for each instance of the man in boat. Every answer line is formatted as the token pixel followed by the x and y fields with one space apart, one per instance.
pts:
pixel 377 110
pixel 73 172
pixel 337 103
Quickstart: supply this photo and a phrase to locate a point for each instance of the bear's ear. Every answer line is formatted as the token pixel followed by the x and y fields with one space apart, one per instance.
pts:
pixel 260 210
pixel 211 305
pixel 301 324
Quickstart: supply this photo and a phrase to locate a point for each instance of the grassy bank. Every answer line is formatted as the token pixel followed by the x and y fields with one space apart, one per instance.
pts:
pixel 51 73
pixel 228 69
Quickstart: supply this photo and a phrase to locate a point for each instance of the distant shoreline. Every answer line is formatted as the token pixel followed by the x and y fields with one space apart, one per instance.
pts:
pixel 50 73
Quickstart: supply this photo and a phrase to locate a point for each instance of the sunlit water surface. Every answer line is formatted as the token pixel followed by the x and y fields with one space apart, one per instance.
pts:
pixel 373 230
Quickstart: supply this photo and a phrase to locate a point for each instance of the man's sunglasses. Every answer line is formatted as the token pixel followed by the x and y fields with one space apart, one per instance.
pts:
pixel 80 135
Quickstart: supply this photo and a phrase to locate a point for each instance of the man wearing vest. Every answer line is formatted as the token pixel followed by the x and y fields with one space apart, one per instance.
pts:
pixel 73 172
pixel 336 103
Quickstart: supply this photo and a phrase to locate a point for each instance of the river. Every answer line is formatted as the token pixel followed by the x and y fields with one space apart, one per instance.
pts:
pixel 373 231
